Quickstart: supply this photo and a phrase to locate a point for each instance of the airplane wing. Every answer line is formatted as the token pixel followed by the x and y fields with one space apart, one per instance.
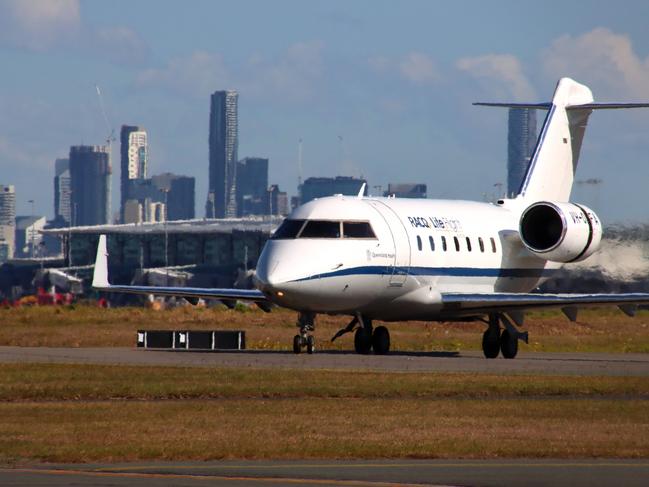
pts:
pixel 465 304
pixel 100 282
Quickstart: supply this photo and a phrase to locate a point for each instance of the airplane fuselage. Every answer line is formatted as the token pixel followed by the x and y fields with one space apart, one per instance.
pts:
pixel 415 250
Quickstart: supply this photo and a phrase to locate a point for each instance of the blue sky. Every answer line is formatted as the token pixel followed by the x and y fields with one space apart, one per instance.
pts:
pixel 393 80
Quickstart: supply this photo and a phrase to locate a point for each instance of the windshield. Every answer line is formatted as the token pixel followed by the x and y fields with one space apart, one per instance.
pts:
pixel 288 229
pixel 357 230
pixel 321 229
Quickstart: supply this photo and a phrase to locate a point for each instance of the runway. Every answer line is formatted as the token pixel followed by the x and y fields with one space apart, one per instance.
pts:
pixel 378 473
pixel 602 364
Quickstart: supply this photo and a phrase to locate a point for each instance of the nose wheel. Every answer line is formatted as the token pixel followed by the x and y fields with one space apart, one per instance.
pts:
pixel 305 340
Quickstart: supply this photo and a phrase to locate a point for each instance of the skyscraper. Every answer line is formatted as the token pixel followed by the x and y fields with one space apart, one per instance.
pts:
pixel 7 222
pixel 90 181
pixel 223 146
pixel 252 186
pixel 320 187
pixel 406 190
pixel 133 159
pixel 521 140
pixel 62 191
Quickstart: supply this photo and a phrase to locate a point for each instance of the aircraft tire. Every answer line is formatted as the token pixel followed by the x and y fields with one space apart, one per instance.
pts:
pixel 310 344
pixel 297 344
pixel 508 344
pixel 381 340
pixel 490 344
pixel 362 341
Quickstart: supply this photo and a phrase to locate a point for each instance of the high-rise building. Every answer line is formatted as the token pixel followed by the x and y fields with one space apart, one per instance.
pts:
pixel 180 195
pixel 133 159
pixel 62 188
pixel 521 140
pixel 277 201
pixel 28 236
pixel 407 190
pixel 320 187
pixel 252 186
pixel 7 222
pixel 175 192
pixel 223 147
pixel 90 182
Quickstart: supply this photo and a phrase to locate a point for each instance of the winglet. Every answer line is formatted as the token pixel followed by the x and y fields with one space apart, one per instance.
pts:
pixel 100 275
pixel 361 192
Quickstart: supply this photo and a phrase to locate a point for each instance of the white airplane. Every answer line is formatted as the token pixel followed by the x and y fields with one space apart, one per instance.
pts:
pixel 393 259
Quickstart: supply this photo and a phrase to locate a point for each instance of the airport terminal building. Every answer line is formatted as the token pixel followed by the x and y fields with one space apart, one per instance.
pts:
pixel 209 253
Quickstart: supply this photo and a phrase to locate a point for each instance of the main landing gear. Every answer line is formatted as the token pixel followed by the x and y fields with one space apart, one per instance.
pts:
pixel 506 341
pixel 306 322
pixel 367 338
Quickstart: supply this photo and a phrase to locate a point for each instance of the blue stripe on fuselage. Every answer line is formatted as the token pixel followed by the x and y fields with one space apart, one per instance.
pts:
pixel 435 271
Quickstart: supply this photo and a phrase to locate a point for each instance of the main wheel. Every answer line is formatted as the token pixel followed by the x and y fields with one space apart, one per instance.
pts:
pixel 297 344
pixel 310 344
pixel 490 344
pixel 508 344
pixel 381 340
pixel 362 341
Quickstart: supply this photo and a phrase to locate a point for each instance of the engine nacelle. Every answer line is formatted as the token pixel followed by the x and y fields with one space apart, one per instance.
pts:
pixel 560 232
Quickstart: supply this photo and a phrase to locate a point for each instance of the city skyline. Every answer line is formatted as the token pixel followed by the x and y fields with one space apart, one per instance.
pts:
pixel 392 108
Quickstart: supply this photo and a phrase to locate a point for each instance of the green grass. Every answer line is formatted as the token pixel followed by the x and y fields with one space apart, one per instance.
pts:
pixel 601 330
pixel 68 413
pixel 33 382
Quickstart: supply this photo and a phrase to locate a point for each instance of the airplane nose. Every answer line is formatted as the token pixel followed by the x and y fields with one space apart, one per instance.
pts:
pixel 266 276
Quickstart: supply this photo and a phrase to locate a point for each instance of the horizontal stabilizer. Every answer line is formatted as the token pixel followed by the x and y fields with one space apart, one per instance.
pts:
pixel 547 106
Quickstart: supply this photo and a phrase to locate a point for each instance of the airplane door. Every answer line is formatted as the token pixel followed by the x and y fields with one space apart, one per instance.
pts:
pixel 401 242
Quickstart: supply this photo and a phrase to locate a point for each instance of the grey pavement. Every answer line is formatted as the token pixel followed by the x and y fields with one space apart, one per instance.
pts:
pixel 632 364
pixel 487 473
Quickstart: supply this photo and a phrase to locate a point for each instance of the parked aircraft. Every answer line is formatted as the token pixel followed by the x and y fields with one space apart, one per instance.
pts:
pixel 393 260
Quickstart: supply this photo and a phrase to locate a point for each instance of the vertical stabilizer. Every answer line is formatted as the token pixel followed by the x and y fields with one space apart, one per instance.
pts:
pixel 100 275
pixel 554 162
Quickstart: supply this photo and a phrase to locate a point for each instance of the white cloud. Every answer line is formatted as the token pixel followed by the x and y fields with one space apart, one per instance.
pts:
pixel 36 24
pixel 198 74
pixel 415 67
pixel 601 58
pixel 499 70
pixel 418 68
pixel 119 44
pixel 294 75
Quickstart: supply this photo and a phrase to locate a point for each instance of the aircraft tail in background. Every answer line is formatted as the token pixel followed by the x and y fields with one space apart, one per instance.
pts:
pixel 554 161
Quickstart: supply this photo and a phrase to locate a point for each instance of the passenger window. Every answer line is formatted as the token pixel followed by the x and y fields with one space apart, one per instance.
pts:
pixel 418 242
pixel 432 243
pixel 481 244
pixel 493 245
pixel 468 244
pixel 288 229
pixel 444 244
pixel 321 229
pixel 358 230
pixel 457 244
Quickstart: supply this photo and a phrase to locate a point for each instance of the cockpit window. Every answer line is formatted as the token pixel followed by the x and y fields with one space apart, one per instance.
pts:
pixel 321 229
pixel 357 230
pixel 288 229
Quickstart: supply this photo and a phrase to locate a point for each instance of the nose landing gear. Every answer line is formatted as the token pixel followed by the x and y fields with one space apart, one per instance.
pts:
pixel 306 322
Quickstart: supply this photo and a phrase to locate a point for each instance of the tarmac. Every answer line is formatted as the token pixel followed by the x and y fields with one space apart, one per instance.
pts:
pixel 379 473
pixel 592 364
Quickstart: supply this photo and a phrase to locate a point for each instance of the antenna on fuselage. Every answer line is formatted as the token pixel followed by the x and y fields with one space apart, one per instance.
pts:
pixel 361 192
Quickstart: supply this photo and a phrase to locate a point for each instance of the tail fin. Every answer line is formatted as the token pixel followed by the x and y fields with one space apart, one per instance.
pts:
pixel 553 164
pixel 100 275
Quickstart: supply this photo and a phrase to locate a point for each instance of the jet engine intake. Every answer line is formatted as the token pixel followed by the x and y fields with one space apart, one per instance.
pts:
pixel 560 232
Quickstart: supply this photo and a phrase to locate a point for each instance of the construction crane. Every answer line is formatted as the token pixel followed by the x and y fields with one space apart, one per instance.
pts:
pixel 110 138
